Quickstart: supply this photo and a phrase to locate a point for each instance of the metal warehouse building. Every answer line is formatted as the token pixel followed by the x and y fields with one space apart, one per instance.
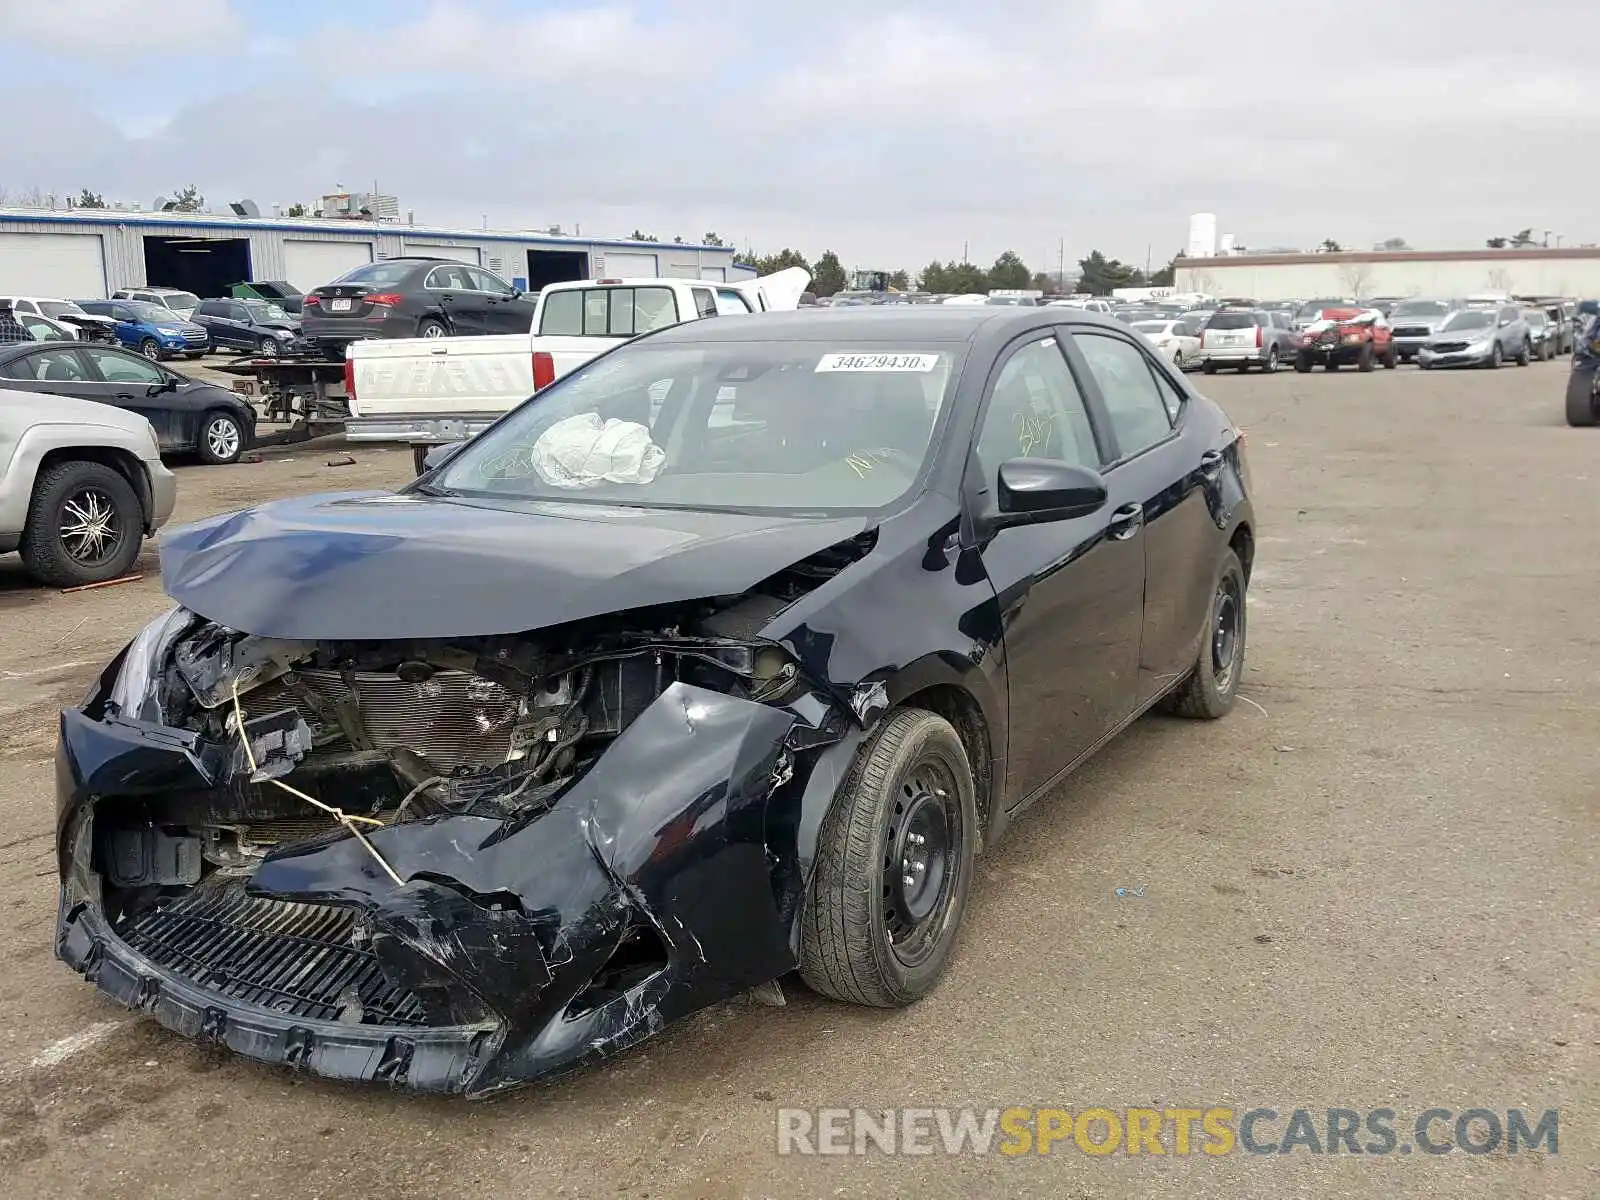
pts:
pixel 88 255
pixel 1534 272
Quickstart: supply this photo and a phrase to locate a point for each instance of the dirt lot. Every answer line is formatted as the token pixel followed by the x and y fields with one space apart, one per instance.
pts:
pixel 1374 885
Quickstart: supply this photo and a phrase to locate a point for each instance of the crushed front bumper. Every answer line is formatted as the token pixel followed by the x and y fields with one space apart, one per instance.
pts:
pixel 1455 358
pixel 513 950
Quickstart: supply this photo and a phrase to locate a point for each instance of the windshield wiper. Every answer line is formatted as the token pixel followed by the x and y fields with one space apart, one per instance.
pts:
pixel 433 489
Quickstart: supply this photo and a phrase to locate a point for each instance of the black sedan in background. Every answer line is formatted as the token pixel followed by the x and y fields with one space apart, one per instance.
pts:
pixel 187 415
pixel 257 326
pixel 630 732
pixel 413 297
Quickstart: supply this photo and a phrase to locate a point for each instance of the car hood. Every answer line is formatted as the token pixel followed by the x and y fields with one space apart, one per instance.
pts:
pixel 377 565
pixel 1481 334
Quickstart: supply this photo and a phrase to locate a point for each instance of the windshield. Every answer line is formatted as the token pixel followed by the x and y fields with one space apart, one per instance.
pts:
pixel 263 313
pixel 1312 307
pixel 1152 327
pixel 184 302
pixel 1469 320
pixel 1419 308
pixel 60 308
pixel 275 291
pixel 802 428
pixel 143 310
pixel 1534 318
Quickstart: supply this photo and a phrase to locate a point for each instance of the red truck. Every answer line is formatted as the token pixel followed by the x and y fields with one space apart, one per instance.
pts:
pixel 1344 336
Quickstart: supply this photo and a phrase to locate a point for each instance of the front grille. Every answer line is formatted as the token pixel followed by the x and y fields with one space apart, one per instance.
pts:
pixel 452 719
pixel 1411 331
pixel 1448 347
pixel 296 959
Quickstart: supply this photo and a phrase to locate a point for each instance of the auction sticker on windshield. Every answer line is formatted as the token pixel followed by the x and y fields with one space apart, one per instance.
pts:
pixel 878 362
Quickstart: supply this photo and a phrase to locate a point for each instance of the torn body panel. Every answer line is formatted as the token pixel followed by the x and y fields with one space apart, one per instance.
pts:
pixel 524 946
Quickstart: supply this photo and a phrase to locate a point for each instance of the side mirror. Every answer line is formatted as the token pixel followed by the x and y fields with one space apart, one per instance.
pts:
pixel 1036 490
pixel 158 389
pixel 440 455
pixel 514 294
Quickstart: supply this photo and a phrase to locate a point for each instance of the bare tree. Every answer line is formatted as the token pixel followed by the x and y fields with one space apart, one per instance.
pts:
pixel 1356 276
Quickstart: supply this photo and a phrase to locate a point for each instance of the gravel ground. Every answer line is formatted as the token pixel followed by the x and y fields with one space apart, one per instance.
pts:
pixel 1372 886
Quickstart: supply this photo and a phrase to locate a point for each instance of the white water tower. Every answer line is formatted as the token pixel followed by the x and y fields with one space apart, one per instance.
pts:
pixel 1203 235
pixel 1226 248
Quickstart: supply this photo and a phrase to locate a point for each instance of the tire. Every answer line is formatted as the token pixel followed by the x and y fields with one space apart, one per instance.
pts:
pixel 268 347
pixel 432 327
pixel 1366 360
pixel 1391 359
pixel 1302 363
pixel 1272 361
pixel 222 438
pixel 419 456
pixel 1177 361
pixel 848 930
pixel 1496 357
pixel 150 349
pixel 1525 355
pixel 59 557
pixel 1210 690
pixel 1581 404
pixel 1208 367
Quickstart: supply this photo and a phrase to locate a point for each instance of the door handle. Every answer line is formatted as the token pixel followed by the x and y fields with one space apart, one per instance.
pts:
pixel 125 396
pixel 1126 521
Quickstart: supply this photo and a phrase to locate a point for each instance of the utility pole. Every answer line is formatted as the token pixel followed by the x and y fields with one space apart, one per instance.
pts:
pixel 1061 265
pixel 963 251
pixel 1147 262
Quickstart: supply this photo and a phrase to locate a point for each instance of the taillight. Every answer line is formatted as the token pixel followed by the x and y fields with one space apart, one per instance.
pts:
pixel 1258 337
pixel 313 301
pixel 386 298
pixel 544 369
pixel 350 380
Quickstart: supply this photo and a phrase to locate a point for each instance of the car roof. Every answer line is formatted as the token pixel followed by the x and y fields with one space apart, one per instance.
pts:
pixel 929 323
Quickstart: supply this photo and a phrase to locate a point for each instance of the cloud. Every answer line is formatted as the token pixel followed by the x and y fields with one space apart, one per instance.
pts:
pixel 894 134
pixel 116 28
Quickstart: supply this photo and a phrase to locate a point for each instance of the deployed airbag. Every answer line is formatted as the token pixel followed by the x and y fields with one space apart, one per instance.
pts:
pixel 585 451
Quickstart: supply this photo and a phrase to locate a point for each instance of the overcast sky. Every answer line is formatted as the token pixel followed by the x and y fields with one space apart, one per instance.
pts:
pixel 893 134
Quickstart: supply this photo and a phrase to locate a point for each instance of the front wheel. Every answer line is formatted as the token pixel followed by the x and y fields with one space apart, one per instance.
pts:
pixel 268 347
pixel 150 349
pixel 1583 406
pixel 1213 685
pixel 1391 359
pixel 1496 357
pixel 1302 363
pixel 221 438
pixel 1525 355
pixel 894 861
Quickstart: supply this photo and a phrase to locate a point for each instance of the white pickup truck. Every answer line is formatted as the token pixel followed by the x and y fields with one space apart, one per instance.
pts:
pixel 430 391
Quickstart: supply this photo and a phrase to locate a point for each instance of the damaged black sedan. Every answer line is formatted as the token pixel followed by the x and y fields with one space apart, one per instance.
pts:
pixel 719 659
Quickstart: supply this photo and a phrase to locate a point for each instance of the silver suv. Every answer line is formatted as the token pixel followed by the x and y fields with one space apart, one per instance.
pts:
pixel 81 486
pixel 1479 337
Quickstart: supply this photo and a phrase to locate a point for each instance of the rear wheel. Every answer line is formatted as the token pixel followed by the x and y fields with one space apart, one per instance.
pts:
pixel 431 327
pixel 1208 367
pixel 1272 361
pixel 221 438
pixel 84 525
pixel 894 860
pixel 1213 685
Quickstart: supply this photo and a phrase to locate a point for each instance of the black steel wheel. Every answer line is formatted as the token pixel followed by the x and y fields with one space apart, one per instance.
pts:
pixel 84 525
pixel 894 861
pixel 1212 686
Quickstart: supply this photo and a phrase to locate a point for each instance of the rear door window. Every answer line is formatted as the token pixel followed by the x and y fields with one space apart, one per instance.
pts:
pixel 1141 415
pixel 730 303
pixel 1232 320
pixel 705 303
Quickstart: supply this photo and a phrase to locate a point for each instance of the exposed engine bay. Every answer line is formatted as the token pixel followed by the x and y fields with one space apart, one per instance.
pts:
pixel 397 732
